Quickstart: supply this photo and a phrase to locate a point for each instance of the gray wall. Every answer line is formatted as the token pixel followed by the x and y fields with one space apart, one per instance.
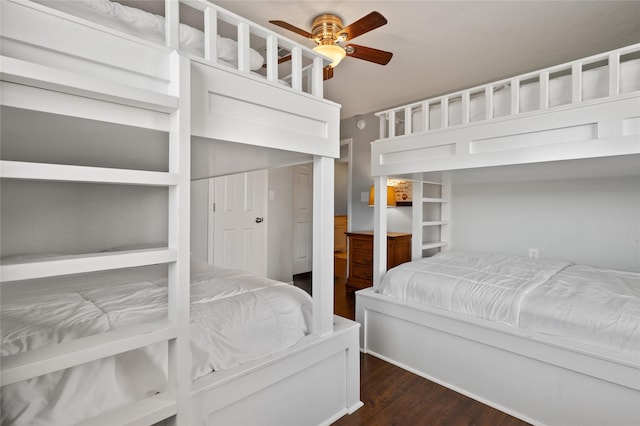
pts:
pixel 588 221
pixel 399 218
pixel 199 219
pixel 71 218
pixel 280 225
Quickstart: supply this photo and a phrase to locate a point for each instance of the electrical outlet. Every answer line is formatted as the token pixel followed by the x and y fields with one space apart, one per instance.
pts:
pixel 533 253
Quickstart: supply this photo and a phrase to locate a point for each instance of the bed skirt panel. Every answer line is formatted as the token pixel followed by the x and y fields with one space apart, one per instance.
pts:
pixel 538 382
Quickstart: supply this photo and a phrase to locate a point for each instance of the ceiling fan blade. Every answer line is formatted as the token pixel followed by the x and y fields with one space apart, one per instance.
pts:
pixel 368 54
pixel 363 25
pixel 280 60
pixel 288 26
pixel 327 72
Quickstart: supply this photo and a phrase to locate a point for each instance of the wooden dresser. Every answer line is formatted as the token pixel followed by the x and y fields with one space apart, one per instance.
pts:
pixel 361 256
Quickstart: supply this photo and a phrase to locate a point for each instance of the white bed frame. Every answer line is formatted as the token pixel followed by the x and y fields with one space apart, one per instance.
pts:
pixel 203 106
pixel 533 377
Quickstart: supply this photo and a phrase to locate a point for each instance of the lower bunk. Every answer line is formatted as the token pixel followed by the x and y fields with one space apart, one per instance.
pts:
pixel 253 359
pixel 573 359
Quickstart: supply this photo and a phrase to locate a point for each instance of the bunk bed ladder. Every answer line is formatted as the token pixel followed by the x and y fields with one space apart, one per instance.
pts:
pixel 430 218
pixel 172 403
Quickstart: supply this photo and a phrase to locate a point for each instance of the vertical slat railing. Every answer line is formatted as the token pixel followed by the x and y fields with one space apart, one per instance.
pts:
pixel 515 96
pixel 317 86
pixel 383 124
pixel 245 31
pixel 614 73
pixel 576 82
pixel 172 23
pixel 466 98
pixel 296 68
pixel 444 112
pixel 488 102
pixel 544 90
pixel 272 58
pixel 243 47
pixel 211 34
pixel 408 121
pixel 425 115
pixel 543 78
pixel 392 124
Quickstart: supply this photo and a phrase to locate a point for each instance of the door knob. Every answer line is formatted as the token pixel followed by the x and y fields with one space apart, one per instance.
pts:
pixel 259 220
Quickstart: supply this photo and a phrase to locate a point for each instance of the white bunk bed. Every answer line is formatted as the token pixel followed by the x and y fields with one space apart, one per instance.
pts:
pixel 583 121
pixel 86 101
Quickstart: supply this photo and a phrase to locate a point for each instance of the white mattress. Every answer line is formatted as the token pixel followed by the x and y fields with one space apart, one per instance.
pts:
pixel 575 304
pixel 236 317
pixel 150 27
pixel 595 86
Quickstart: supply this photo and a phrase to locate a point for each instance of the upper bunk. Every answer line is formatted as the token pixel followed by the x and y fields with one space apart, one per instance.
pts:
pixel 104 62
pixel 581 110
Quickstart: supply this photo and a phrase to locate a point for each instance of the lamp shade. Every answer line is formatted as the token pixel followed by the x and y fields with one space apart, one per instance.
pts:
pixel 391 196
pixel 336 53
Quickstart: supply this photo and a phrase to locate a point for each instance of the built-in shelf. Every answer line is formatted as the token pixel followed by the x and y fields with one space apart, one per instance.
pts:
pixel 43 77
pixel 78 264
pixel 433 245
pixel 84 174
pixel 435 223
pixel 36 362
pixel 435 200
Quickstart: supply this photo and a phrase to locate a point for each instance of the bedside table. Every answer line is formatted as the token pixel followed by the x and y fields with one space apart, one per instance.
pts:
pixel 361 256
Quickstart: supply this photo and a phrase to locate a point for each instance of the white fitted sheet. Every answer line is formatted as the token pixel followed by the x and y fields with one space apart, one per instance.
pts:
pixel 236 317
pixel 595 86
pixel 150 27
pixel 576 305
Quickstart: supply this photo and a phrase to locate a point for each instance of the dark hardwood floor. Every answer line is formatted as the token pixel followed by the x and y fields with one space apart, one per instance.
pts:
pixel 393 396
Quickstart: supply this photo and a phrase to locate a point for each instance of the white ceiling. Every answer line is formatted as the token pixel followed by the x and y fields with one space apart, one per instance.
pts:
pixel 441 46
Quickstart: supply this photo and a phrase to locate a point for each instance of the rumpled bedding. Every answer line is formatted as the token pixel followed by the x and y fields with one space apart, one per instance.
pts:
pixel 149 27
pixel 236 317
pixel 598 307
pixel 579 305
pixel 487 286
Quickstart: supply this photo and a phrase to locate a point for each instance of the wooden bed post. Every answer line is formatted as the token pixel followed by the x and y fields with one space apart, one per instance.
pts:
pixel 322 279
pixel 380 230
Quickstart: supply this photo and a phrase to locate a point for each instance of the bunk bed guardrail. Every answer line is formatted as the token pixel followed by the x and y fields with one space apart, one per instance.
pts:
pixel 59 66
pixel 415 118
pixel 301 69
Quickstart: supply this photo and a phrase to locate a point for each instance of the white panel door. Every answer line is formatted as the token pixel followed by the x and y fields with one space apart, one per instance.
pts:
pixel 302 218
pixel 240 231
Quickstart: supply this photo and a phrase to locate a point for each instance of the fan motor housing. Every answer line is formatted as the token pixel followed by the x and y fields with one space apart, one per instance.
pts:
pixel 325 28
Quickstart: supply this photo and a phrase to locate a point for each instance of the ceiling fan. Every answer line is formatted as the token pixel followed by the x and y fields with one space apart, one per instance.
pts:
pixel 330 35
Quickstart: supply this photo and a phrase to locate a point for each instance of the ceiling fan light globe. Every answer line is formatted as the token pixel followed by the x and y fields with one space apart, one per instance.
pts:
pixel 332 51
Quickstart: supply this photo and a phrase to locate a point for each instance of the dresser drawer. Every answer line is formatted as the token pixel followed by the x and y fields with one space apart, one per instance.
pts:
pixel 361 271
pixel 362 244
pixel 362 257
